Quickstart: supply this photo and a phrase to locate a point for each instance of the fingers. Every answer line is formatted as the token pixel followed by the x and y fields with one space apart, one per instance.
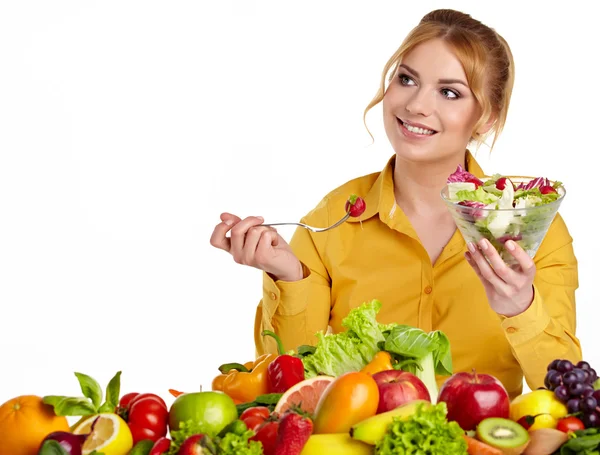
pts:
pixel 238 236
pixel 525 262
pixel 219 239
pixel 254 237
pixel 485 270
pixel 501 269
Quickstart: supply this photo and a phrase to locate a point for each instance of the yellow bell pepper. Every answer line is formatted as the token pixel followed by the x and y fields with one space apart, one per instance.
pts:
pixel 380 362
pixel 540 406
pixel 243 383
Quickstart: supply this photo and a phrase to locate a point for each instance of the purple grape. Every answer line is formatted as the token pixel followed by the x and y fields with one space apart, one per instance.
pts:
pixel 583 365
pixel 578 372
pixel 593 376
pixel 573 405
pixel 553 365
pixel 564 366
pixel 571 377
pixel 591 420
pixel 587 375
pixel 596 395
pixel 588 390
pixel 575 389
pixel 588 404
pixel 562 393
pixel 554 379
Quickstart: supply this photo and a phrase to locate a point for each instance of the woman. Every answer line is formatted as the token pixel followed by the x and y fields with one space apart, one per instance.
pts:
pixel 449 85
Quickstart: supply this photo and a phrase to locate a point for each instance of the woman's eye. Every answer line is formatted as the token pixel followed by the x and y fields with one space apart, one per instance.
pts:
pixel 405 80
pixel 450 94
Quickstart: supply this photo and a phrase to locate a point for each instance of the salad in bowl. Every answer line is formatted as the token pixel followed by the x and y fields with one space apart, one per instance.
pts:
pixel 501 208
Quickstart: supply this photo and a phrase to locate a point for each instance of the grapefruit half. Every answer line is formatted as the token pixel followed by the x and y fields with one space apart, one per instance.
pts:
pixel 304 394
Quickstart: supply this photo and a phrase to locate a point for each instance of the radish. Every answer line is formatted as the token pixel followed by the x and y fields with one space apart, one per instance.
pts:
pixel 355 205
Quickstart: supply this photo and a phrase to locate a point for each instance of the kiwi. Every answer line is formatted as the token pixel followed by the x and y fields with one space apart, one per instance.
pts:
pixel 506 435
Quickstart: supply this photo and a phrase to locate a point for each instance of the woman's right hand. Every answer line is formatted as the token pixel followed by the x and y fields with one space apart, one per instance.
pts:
pixel 257 246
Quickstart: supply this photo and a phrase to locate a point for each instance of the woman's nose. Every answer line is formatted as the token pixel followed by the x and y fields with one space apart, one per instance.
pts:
pixel 420 103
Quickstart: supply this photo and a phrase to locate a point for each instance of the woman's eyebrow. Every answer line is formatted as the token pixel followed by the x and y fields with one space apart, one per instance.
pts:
pixel 441 81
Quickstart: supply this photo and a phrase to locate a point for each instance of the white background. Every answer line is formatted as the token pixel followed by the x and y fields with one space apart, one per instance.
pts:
pixel 127 127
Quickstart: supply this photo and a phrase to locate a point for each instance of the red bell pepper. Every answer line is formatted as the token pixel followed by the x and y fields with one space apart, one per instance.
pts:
pixel 285 371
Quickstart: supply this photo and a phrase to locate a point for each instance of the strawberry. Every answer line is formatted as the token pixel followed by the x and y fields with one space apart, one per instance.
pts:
pixel 295 427
pixel 198 444
pixel 355 205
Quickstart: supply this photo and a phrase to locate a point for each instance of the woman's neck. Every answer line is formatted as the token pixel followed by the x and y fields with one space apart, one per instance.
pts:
pixel 417 186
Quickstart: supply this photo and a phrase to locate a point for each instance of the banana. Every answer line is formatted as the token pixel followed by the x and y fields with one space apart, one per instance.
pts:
pixel 335 444
pixel 373 429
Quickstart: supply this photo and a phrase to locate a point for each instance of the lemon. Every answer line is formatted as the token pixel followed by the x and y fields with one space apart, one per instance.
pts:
pixel 110 435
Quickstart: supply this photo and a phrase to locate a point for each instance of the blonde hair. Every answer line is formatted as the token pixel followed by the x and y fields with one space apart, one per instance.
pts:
pixel 485 56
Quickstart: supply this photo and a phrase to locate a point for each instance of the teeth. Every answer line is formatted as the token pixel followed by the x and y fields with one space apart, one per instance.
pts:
pixel 414 129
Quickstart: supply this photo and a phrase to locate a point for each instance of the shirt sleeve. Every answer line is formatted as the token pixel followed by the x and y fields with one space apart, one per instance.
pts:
pixel 296 311
pixel 546 330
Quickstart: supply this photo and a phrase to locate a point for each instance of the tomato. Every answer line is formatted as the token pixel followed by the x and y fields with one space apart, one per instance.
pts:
pixel 141 396
pixel 146 414
pixel 568 424
pixel 265 426
pixel 255 416
pixel 350 398
pixel 126 399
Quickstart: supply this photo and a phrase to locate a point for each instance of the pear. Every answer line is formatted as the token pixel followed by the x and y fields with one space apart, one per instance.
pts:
pixel 373 429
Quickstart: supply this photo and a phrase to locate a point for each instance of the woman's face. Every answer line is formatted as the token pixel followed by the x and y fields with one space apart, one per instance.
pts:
pixel 429 110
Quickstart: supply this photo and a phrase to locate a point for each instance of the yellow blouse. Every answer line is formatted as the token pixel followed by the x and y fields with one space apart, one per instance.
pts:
pixel 381 257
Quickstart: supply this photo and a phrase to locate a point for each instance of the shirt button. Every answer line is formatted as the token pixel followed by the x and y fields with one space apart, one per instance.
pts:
pixel 273 296
pixel 428 290
pixel 511 330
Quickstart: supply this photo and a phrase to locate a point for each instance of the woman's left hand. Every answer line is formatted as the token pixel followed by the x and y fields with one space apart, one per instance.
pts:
pixel 509 289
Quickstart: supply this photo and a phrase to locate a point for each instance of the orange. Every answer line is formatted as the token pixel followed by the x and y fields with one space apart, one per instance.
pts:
pixel 305 394
pixel 24 423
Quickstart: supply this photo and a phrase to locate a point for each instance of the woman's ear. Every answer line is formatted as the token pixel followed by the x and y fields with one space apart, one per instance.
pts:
pixel 483 129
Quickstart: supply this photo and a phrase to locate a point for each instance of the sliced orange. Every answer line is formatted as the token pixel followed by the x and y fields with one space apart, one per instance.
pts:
pixel 305 394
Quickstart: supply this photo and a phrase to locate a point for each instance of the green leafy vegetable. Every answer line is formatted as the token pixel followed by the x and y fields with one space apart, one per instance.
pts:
pixel 479 195
pixel 231 443
pixel 90 403
pixel 423 354
pixel 351 350
pixel 582 442
pixel 51 447
pixel 427 432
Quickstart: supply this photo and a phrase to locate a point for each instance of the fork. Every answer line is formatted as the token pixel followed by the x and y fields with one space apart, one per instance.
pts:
pixel 311 228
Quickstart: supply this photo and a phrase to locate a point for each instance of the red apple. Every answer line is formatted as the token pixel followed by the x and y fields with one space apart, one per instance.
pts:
pixel 472 397
pixel 397 387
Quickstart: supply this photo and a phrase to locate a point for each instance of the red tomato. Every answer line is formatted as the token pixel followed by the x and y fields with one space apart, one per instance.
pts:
pixel 265 426
pixel 141 396
pixel 570 423
pixel 126 399
pixel 255 416
pixel 147 419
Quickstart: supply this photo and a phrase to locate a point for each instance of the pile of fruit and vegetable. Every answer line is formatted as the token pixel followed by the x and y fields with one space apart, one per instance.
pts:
pixel 368 390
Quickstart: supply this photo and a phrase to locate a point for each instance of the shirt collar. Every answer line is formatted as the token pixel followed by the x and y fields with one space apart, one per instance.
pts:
pixel 380 197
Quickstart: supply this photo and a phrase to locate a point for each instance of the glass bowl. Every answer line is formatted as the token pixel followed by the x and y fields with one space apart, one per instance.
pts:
pixel 526 226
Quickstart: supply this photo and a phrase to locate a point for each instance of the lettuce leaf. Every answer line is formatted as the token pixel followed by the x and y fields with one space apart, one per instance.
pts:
pixel 478 195
pixel 351 350
pixel 427 432
pixel 423 354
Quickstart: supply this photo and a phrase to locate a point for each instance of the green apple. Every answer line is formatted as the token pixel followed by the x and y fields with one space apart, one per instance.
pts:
pixel 211 411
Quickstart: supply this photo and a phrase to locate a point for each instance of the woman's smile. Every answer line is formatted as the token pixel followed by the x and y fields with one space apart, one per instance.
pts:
pixel 415 130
